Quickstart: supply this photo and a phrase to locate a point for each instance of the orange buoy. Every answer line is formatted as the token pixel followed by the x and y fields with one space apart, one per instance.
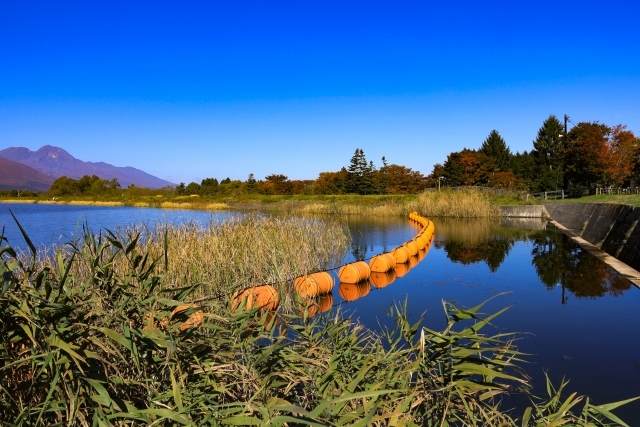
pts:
pixel 401 255
pixel 314 284
pixel 264 297
pixel 420 242
pixel 352 291
pixel 354 272
pixel 382 279
pixel 316 305
pixel 413 261
pixel 411 247
pixel 382 263
pixel 401 269
pixel 193 321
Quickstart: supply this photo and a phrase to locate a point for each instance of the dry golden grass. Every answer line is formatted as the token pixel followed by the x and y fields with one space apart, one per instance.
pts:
pixel 141 205
pixel 457 204
pixel 94 203
pixel 218 207
pixel 172 205
pixel 384 209
pixel 240 252
pixel 17 201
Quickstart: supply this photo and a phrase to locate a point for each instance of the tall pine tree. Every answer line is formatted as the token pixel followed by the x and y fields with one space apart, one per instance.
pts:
pixel 495 147
pixel 546 151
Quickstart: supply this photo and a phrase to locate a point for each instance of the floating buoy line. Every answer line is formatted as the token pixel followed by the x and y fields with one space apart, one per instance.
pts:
pixel 355 278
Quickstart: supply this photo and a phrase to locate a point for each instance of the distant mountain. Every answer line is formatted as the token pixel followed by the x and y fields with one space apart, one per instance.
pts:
pixel 56 162
pixel 16 176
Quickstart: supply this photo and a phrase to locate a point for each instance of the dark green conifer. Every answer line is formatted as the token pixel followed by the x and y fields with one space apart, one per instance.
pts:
pixel 495 147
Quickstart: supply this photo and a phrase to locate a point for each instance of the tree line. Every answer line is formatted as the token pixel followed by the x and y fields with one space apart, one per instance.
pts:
pixel 590 154
pixel 359 177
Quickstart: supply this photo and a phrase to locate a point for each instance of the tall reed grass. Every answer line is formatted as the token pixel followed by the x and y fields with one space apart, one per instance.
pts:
pixel 226 255
pixel 463 203
pixel 101 348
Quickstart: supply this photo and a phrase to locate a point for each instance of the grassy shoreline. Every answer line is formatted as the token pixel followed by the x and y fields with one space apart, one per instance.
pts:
pixel 463 203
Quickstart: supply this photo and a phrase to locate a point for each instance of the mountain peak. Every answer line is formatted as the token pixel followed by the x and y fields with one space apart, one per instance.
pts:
pixel 57 162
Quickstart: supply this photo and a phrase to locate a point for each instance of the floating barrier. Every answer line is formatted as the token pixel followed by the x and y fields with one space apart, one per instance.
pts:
pixel 382 263
pixel 356 278
pixel 401 255
pixel 193 321
pixel 382 279
pixel 401 269
pixel 411 247
pixel 354 272
pixel 352 291
pixel 413 261
pixel 317 305
pixel 264 297
pixel 314 284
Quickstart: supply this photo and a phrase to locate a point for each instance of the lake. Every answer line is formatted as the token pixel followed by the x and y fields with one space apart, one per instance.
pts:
pixel 580 317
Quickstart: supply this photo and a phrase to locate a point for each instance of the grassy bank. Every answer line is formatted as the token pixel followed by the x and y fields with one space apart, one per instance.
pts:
pixel 87 338
pixel 633 199
pixel 460 203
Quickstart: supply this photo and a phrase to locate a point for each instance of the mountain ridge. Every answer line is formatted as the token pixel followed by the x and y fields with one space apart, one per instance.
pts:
pixel 56 162
pixel 17 176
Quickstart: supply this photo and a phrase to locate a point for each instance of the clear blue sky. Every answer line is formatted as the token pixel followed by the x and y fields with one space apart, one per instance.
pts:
pixel 188 90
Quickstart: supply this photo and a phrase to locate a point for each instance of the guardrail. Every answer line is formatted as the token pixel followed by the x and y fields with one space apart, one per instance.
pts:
pixel 616 190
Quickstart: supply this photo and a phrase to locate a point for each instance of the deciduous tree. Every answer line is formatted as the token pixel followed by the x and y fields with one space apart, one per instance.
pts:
pixel 586 153
pixel 623 148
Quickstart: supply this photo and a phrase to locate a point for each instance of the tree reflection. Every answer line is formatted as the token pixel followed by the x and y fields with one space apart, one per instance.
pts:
pixel 559 261
pixel 492 251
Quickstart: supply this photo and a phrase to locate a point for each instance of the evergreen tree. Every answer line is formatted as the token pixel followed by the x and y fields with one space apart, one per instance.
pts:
pixel 525 169
pixel 180 188
pixel 546 151
pixel 356 171
pixel 495 147
pixel 252 185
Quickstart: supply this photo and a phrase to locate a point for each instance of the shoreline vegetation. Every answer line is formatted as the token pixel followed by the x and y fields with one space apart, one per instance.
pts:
pixel 91 335
pixel 447 202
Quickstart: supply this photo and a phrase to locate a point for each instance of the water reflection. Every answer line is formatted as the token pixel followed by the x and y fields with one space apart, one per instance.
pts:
pixel 560 262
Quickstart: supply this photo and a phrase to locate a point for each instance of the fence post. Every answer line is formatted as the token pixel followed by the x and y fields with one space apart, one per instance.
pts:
pixel 545 195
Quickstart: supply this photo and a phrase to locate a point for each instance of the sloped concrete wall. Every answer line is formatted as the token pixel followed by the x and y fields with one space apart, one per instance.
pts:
pixel 612 228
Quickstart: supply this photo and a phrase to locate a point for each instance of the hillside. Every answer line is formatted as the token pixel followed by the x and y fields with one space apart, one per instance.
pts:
pixel 16 176
pixel 56 162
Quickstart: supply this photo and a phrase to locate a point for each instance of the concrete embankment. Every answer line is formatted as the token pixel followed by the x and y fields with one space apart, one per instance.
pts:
pixel 611 228
pixel 607 231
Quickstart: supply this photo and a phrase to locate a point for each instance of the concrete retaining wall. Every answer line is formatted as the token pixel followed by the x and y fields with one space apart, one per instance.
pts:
pixel 524 211
pixel 612 228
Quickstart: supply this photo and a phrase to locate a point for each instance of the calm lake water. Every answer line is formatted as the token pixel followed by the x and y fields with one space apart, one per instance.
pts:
pixel 580 317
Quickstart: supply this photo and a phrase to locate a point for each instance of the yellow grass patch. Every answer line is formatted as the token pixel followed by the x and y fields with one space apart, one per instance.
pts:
pixel 18 201
pixel 172 205
pixel 217 206
pixel 92 203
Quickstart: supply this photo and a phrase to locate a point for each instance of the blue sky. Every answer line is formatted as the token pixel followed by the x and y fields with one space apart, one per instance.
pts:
pixel 188 90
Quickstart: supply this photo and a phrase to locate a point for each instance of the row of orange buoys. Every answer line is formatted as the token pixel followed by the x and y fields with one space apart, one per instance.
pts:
pixel 356 278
